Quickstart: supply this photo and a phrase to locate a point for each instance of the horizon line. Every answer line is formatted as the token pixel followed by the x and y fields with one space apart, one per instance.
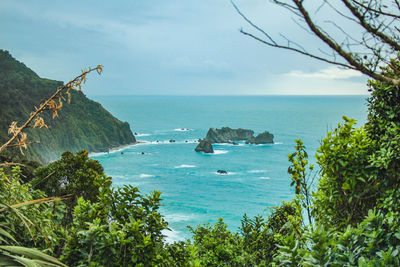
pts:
pixel 228 95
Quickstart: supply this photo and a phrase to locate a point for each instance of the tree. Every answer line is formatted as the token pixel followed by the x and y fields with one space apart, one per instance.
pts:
pixel 73 176
pixel 377 45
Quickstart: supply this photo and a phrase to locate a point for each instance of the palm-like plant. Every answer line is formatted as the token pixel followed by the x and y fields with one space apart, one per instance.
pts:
pixel 13 255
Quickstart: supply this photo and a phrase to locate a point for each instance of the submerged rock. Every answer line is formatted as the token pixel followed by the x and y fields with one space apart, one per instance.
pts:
pixel 204 146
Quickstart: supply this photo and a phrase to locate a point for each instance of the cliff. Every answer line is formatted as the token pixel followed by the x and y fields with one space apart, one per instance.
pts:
pixel 82 124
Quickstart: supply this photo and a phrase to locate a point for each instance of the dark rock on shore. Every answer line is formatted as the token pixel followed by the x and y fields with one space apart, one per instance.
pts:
pixel 204 146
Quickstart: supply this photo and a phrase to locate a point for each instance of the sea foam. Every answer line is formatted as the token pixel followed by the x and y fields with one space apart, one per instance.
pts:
pixel 185 166
pixel 143 175
pixel 219 152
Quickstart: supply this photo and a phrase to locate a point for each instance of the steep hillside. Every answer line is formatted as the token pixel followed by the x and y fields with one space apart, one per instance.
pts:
pixel 83 124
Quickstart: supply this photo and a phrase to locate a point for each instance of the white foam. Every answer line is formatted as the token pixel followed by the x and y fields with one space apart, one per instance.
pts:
pixel 163 142
pixel 185 166
pixel 278 143
pixel 97 154
pixel 143 175
pixel 178 217
pixel 257 171
pixel 265 178
pixel 219 152
pixel 142 134
pixel 172 236
pixel 227 173
pixel 119 176
pixel 230 144
pixel 112 150
pixel 182 130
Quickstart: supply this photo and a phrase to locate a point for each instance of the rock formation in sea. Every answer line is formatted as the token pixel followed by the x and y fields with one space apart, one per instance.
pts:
pixel 229 135
pixel 204 146
pixel 82 124
pixel 263 138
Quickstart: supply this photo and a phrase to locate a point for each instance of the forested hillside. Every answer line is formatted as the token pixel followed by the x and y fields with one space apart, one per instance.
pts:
pixel 82 124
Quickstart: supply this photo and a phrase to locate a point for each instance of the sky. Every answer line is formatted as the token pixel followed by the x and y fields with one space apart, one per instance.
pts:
pixel 169 47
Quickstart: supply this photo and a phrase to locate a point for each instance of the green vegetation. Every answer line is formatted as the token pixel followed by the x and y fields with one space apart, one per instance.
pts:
pixel 83 124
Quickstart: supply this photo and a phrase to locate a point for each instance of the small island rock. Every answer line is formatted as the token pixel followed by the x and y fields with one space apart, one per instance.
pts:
pixel 227 135
pixel 263 138
pixel 222 172
pixel 204 146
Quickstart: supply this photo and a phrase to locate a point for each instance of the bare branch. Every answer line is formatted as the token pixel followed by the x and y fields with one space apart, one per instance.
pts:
pixel 370 28
pixel 50 104
pixel 380 12
pixel 346 55
pixel 298 51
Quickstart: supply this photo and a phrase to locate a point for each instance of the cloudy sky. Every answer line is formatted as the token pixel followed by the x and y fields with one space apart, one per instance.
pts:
pixel 166 47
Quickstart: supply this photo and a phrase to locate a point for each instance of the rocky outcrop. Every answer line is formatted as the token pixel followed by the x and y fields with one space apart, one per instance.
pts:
pixel 204 146
pixel 229 135
pixel 262 138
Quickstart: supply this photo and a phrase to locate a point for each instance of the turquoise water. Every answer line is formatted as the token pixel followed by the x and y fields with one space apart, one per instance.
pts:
pixel 257 177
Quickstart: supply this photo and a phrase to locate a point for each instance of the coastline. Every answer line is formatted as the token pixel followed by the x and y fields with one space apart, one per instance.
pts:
pixel 114 149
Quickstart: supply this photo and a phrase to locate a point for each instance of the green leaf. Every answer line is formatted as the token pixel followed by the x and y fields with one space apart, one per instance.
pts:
pixel 397 235
pixel 345 186
pixel 7 234
pixel 33 254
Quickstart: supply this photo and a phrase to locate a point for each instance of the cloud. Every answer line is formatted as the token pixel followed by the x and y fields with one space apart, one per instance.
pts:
pixel 191 66
pixel 328 73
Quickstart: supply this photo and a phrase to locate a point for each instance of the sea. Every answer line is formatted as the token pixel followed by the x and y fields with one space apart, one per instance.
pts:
pixel 193 192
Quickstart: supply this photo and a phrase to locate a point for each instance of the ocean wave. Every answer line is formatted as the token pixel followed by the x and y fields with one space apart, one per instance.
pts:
pixel 230 144
pixel 178 217
pixel 278 143
pixel 219 152
pixel 142 134
pixel 97 154
pixel 227 173
pixel 119 176
pixel 143 175
pixel 182 130
pixel 112 150
pixel 172 236
pixel 265 178
pixel 257 171
pixel 163 142
pixel 185 166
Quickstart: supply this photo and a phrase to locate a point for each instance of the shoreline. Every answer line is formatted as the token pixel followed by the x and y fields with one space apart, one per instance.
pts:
pixel 115 149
